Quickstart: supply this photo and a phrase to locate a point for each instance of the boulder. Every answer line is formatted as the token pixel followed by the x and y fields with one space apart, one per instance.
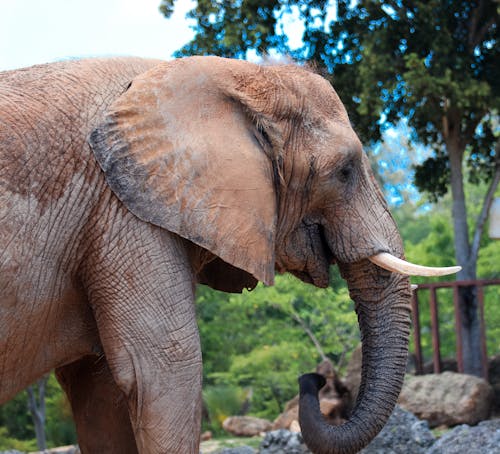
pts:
pixel 481 439
pixel 246 426
pixel 290 414
pixel 294 427
pixel 71 449
pixel 403 433
pixel 283 442
pixel 207 435
pixel 447 399
pixel 237 450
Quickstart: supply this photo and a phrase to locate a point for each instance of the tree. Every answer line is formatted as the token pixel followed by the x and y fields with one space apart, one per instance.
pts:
pixel 432 62
pixel 36 404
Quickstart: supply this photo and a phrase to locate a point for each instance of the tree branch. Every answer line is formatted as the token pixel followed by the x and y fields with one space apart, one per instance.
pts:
pixel 488 199
pixel 311 335
pixel 476 34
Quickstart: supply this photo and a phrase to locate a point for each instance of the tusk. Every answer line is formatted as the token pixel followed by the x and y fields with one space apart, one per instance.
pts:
pixel 413 287
pixel 391 263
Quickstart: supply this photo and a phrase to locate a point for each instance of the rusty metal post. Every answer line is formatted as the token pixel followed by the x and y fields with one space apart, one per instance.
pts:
pixel 419 361
pixel 436 353
pixel 458 329
pixel 482 331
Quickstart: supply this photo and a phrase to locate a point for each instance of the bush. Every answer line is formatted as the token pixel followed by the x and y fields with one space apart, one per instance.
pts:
pixel 221 402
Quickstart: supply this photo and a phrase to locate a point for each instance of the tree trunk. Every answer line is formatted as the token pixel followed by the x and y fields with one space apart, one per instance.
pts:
pixel 37 410
pixel 468 304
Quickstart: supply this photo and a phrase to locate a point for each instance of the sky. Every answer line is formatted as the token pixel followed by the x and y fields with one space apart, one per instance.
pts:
pixel 41 31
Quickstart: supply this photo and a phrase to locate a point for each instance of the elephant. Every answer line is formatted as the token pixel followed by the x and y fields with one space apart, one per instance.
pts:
pixel 125 182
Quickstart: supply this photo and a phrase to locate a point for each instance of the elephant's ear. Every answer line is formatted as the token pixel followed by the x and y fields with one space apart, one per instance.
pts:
pixel 181 151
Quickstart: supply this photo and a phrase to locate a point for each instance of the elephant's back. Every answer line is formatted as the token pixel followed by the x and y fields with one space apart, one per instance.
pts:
pixel 49 178
pixel 46 115
pixel 63 98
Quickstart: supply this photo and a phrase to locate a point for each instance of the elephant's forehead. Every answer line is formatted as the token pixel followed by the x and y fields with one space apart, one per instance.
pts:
pixel 333 140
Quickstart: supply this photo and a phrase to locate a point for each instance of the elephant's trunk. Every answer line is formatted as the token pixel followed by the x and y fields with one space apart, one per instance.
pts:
pixel 382 304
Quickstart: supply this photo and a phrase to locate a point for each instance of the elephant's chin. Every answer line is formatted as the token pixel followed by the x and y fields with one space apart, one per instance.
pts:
pixel 317 272
pixel 319 277
pixel 307 255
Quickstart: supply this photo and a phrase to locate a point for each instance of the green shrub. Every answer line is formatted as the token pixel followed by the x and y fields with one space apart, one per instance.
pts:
pixel 221 402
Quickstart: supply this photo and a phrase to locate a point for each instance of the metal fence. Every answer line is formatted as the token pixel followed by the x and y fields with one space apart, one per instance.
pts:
pixel 433 301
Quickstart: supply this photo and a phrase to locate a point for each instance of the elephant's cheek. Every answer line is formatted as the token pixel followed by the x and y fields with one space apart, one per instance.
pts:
pixel 306 261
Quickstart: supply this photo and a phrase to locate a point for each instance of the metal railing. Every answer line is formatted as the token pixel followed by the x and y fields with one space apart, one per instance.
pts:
pixel 433 306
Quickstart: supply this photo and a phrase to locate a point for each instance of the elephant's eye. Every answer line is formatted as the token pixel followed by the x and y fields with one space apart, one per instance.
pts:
pixel 346 171
pixel 263 138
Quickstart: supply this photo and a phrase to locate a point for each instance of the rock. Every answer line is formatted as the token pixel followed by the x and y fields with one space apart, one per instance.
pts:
pixel 290 414
pixel 481 439
pixel 61 450
pixel 283 442
pixel 294 426
pixel 403 433
pixel 447 399
pixel 238 450
pixel 335 398
pixel 330 406
pixel 246 426
pixel 205 436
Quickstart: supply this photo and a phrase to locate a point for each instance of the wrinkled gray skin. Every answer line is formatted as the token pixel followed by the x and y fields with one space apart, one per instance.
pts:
pixel 125 182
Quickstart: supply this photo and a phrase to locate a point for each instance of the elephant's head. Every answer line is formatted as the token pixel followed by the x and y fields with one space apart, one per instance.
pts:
pixel 259 166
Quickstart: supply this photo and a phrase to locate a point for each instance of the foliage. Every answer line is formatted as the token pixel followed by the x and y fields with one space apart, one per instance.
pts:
pixel 16 425
pixel 262 339
pixel 228 28
pixel 16 419
pixel 7 442
pixel 222 401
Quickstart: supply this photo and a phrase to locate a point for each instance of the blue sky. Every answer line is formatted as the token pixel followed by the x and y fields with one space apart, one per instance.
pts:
pixel 40 31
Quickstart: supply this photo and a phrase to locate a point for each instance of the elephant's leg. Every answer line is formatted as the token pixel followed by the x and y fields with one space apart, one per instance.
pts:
pixel 99 407
pixel 143 300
